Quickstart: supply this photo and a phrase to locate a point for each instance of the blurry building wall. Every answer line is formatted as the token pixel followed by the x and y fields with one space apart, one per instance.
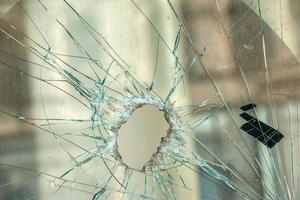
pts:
pixel 17 140
pixel 282 40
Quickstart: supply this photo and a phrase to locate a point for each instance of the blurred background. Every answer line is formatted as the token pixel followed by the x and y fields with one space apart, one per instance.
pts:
pixel 235 52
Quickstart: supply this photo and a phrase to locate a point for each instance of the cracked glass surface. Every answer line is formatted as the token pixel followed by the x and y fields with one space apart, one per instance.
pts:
pixel 74 72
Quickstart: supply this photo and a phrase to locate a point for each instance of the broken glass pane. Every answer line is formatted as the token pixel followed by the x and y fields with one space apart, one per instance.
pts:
pixel 73 74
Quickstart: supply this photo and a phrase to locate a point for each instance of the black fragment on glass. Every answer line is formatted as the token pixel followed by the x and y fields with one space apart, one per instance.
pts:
pixel 248 106
pixel 258 129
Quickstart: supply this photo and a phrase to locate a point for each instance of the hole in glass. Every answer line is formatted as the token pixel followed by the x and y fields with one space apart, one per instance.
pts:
pixel 141 135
